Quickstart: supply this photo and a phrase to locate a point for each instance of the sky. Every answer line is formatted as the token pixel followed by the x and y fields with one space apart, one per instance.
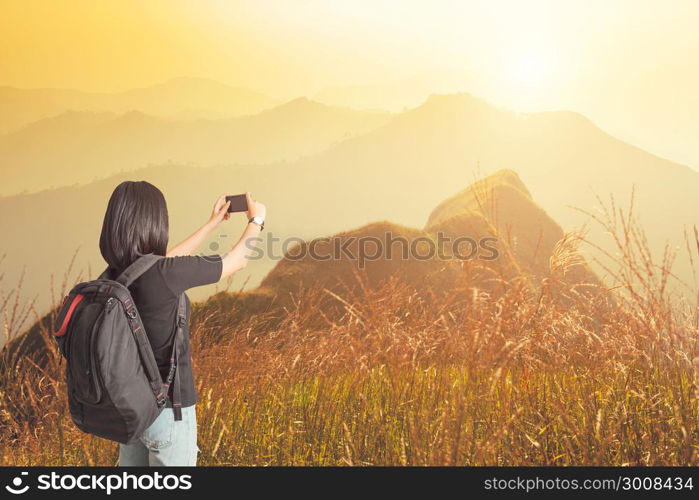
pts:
pixel 630 66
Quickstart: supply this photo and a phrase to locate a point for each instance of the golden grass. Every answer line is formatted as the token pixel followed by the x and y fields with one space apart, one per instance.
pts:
pixel 398 376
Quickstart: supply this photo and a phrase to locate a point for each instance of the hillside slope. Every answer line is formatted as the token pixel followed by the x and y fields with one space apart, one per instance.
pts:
pixel 506 236
pixel 369 257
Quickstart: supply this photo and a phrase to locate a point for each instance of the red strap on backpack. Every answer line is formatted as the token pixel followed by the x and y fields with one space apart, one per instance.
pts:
pixel 66 319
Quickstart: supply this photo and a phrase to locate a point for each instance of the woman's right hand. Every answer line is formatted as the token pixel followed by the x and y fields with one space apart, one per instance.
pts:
pixel 220 211
pixel 255 208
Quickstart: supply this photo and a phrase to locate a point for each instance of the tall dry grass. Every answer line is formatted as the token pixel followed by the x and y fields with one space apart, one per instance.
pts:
pixel 566 374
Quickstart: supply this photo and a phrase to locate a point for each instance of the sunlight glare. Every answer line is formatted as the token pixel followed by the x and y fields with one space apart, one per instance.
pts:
pixel 532 68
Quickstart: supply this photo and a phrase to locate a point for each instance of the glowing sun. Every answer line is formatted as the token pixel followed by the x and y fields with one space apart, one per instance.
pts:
pixel 532 68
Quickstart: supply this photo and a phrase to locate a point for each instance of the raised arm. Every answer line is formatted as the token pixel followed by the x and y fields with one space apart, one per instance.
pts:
pixel 238 256
pixel 189 245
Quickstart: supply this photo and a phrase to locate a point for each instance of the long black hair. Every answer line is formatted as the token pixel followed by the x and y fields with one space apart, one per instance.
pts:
pixel 136 223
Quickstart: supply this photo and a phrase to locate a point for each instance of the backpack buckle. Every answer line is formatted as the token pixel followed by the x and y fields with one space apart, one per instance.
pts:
pixel 161 399
pixel 181 321
pixel 131 313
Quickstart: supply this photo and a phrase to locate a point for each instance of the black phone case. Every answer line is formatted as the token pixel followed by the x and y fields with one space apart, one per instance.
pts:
pixel 238 203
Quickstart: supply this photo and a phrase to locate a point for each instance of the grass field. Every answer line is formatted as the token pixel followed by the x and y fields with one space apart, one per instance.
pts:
pixel 396 376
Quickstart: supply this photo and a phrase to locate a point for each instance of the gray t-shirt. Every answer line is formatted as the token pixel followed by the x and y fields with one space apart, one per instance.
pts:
pixel 156 295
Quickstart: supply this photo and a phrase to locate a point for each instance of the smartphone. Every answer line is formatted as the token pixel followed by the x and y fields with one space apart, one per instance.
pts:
pixel 238 203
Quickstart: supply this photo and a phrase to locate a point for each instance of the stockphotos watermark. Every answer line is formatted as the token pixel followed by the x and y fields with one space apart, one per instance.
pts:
pixel 101 483
pixel 367 248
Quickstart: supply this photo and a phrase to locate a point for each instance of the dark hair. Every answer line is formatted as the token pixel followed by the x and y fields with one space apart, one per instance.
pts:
pixel 136 223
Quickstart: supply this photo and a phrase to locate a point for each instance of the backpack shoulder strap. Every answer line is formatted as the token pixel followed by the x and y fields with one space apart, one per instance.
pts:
pixel 173 376
pixel 135 270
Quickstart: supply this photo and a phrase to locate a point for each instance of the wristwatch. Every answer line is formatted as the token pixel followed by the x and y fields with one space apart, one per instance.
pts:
pixel 257 220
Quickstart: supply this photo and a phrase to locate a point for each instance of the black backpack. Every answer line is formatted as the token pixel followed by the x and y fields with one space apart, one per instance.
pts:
pixel 115 390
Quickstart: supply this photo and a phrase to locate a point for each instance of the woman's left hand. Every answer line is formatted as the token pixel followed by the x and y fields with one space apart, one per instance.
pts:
pixel 220 211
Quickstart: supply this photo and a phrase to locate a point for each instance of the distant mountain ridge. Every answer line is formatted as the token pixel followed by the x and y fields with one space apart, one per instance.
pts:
pixel 401 170
pixel 80 146
pixel 395 96
pixel 565 160
pixel 175 97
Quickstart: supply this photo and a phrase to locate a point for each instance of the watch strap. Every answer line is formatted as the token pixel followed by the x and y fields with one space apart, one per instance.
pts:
pixel 253 221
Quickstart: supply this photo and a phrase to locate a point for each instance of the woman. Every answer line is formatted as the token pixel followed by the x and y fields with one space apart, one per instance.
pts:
pixel 136 223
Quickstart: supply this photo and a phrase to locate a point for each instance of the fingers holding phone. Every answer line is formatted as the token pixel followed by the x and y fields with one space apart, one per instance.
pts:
pixel 220 210
pixel 245 203
pixel 255 208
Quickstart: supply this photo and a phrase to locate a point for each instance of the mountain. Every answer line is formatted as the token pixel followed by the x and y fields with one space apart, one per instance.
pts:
pixel 501 206
pixel 563 158
pixel 393 96
pixel 368 257
pixel 399 172
pixel 182 97
pixel 504 201
pixel 78 147
pixel 337 270
pixel 503 233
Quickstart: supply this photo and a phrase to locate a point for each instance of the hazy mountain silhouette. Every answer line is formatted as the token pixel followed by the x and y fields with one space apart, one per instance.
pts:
pixel 563 158
pixel 397 172
pixel 498 208
pixel 78 147
pixel 393 96
pixel 181 97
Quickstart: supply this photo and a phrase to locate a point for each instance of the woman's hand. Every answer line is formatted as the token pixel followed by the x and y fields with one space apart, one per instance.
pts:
pixel 239 256
pixel 220 211
pixel 255 208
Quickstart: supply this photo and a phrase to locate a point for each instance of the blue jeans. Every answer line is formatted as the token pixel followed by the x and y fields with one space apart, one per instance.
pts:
pixel 165 443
